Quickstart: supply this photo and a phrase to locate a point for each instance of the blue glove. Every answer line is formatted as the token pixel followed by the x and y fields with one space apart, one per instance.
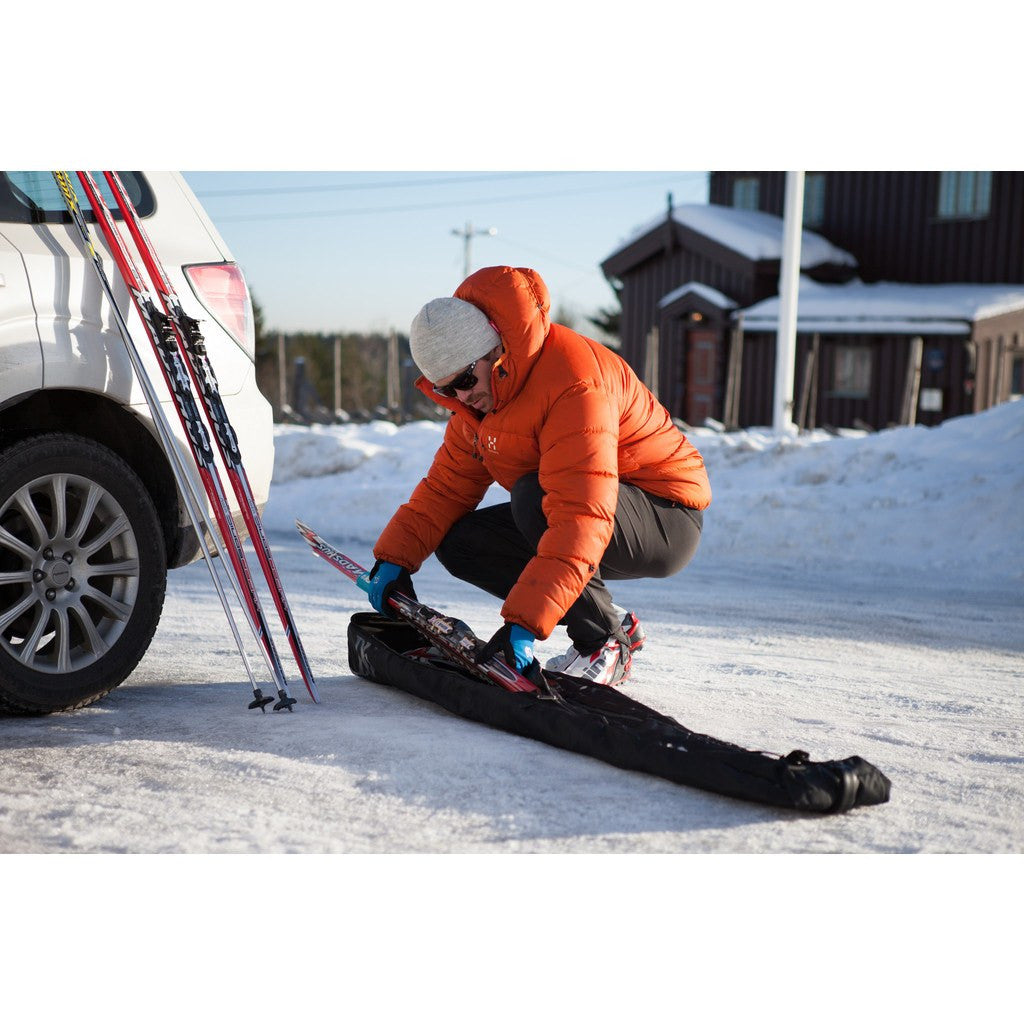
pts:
pixel 383 579
pixel 513 643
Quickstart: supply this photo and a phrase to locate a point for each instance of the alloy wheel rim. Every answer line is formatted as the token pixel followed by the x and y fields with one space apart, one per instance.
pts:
pixel 69 573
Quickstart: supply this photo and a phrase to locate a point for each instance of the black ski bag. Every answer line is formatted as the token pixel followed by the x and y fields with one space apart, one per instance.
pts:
pixel 604 723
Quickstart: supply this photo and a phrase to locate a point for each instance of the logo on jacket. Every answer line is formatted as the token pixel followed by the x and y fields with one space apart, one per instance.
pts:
pixel 492 443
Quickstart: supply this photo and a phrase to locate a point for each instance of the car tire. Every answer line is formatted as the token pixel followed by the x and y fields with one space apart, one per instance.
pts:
pixel 83 571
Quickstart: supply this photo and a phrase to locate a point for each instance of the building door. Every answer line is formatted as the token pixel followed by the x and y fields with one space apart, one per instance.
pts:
pixel 701 376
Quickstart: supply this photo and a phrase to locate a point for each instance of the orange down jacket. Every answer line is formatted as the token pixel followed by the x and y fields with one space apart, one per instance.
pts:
pixel 567 408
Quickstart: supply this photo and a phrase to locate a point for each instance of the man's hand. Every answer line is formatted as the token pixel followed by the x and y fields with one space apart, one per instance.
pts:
pixel 513 643
pixel 385 578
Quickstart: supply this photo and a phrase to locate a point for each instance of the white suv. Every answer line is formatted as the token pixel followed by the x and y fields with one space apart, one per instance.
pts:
pixel 90 516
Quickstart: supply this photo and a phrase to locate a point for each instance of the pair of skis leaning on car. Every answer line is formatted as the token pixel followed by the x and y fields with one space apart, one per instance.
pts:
pixel 602 484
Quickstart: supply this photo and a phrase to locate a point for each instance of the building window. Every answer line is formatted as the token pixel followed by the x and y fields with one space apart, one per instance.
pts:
pixel 1017 377
pixel 814 200
pixel 851 371
pixel 746 194
pixel 964 193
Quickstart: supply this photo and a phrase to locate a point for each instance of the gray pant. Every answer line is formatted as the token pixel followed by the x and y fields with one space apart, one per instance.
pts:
pixel 653 537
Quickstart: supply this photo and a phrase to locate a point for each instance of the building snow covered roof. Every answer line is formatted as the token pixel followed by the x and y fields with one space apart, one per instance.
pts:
pixel 889 308
pixel 712 295
pixel 754 235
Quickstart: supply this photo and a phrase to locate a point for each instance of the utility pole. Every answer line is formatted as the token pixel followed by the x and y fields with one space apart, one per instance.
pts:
pixel 466 234
pixel 337 377
pixel 282 376
pixel 394 384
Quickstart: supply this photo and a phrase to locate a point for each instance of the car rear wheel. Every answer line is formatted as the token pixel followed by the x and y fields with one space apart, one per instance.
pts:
pixel 83 572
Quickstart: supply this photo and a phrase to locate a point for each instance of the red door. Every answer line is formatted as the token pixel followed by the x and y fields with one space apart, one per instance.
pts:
pixel 701 375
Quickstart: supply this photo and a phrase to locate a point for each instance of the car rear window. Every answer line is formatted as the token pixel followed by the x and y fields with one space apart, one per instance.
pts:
pixel 32 197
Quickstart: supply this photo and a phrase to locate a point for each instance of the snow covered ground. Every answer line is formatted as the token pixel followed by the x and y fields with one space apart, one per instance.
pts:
pixel 861 594
pixel 853 595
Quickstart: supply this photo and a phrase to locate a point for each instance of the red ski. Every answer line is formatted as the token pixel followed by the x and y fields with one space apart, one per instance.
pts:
pixel 162 336
pixel 452 636
pixel 191 343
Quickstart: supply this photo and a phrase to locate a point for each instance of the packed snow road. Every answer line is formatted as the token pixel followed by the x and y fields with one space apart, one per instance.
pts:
pixel 174 762
pixel 857 595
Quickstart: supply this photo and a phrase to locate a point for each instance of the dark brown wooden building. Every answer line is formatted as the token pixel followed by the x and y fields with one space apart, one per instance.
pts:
pixel 883 353
pixel 923 227
pixel 698 290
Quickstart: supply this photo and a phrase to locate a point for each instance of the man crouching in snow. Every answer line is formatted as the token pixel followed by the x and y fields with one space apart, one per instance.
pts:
pixel 603 486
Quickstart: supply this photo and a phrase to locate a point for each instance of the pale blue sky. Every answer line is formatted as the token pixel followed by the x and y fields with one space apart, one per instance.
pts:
pixel 364 251
pixel 455 84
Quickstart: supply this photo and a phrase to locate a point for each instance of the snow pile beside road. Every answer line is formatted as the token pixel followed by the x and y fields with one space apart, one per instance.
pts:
pixel 943 500
pixel 346 481
pixel 301 452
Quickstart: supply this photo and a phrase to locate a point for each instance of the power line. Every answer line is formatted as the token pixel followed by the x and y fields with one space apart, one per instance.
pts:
pixel 409 208
pixel 275 190
pixel 547 255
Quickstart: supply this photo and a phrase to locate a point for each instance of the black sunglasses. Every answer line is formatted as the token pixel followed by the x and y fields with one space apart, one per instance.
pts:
pixel 464 382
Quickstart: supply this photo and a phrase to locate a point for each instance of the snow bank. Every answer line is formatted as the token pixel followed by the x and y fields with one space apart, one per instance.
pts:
pixel 301 452
pixel 942 500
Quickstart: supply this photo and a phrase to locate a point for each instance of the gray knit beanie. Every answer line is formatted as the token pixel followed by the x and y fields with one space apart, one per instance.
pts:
pixel 447 335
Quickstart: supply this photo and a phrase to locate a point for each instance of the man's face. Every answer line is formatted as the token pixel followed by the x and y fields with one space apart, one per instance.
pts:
pixel 478 396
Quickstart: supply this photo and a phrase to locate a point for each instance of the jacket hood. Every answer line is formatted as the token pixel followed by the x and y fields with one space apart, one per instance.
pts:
pixel 516 300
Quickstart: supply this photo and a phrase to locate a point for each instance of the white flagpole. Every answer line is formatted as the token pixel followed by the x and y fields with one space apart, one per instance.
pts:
pixel 789 284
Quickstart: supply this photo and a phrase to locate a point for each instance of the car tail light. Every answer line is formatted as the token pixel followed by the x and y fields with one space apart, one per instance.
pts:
pixel 221 288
